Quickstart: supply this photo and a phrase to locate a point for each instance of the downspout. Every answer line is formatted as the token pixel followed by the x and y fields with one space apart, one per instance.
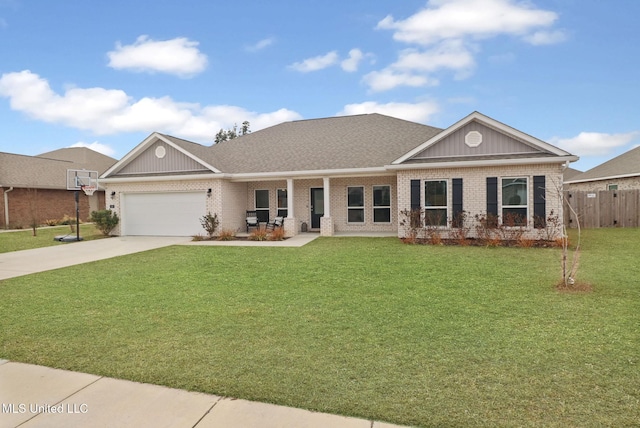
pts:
pixel 6 207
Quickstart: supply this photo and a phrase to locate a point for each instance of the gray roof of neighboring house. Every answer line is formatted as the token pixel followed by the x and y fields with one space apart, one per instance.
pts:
pixel 627 164
pixel 570 173
pixel 361 141
pixel 49 170
pixel 81 156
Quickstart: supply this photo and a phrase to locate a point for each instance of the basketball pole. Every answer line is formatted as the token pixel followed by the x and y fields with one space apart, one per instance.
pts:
pixel 78 215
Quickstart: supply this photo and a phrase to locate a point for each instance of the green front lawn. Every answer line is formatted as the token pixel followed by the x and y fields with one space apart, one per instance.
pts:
pixel 24 239
pixel 368 327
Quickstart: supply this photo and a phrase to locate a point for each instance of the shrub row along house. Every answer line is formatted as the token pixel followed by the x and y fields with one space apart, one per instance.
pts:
pixel 33 189
pixel 340 174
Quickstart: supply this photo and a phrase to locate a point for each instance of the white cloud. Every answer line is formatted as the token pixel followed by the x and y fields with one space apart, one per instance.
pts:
pixel 95 146
pixel 447 34
pixel 454 19
pixel 416 67
pixel 389 78
pixel 451 55
pixel 418 112
pixel 110 111
pixel 546 37
pixel 595 143
pixel 316 63
pixel 179 56
pixel 356 56
pixel 262 44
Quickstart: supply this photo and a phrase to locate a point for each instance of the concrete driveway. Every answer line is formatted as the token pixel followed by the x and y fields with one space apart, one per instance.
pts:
pixel 25 262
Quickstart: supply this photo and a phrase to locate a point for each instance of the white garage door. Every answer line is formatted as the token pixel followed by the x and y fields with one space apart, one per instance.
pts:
pixel 163 214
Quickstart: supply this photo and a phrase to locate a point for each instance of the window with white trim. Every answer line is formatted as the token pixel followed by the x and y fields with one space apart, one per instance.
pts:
pixel 435 202
pixel 515 201
pixel 282 202
pixel 355 204
pixel 382 204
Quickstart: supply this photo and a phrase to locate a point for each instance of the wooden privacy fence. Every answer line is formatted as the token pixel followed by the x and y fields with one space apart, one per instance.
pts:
pixel 605 208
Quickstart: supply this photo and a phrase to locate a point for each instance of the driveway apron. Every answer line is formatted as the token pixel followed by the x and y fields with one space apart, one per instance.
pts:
pixel 25 262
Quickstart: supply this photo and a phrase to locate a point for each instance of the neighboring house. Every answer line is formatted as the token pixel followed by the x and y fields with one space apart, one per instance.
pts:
pixel 339 174
pixel 34 188
pixel 619 173
pixel 570 173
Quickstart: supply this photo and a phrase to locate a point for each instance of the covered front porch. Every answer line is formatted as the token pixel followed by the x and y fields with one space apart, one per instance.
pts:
pixel 330 206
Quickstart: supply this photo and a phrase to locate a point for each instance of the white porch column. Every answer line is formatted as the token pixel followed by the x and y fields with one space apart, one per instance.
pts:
pixel 290 222
pixel 326 223
pixel 327 197
pixel 290 204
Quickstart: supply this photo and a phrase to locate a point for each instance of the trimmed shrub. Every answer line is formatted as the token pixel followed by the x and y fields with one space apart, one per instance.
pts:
pixel 105 221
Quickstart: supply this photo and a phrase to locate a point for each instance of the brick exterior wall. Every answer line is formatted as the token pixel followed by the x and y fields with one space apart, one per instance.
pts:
pixel 26 205
pixel 230 200
pixel 630 183
pixel 233 209
pixel 474 187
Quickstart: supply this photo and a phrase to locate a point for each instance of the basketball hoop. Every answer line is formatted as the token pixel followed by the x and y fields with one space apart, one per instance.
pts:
pixel 88 190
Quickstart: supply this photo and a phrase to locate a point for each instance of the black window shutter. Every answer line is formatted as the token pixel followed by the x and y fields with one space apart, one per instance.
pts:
pixel 539 202
pixel 492 196
pixel 456 187
pixel 415 195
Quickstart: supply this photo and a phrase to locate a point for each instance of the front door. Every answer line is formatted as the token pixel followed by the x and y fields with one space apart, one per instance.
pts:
pixel 317 206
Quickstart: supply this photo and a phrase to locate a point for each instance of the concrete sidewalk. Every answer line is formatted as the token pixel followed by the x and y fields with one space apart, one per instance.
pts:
pixel 36 396
pixel 18 263
pixel 298 240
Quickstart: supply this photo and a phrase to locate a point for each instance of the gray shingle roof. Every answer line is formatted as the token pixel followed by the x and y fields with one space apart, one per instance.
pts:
pixel 570 173
pixel 82 156
pixel 362 141
pixel 49 172
pixel 626 164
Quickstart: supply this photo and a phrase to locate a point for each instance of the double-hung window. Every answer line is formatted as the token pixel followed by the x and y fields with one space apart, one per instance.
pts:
pixel 514 201
pixel 282 203
pixel 435 202
pixel 382 204
pixel 355 204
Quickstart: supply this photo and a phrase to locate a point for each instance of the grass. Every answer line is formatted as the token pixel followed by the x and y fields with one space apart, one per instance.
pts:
pixel 368 327
pixel 24 239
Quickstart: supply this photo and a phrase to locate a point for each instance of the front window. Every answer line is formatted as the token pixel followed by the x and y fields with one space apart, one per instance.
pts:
pixel 435 203
pixel 514 201
pixel 282 202
pixel 382 204
pixel 355 204
pixel 262 205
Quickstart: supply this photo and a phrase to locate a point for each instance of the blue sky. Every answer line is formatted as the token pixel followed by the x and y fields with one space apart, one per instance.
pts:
pixel 107 74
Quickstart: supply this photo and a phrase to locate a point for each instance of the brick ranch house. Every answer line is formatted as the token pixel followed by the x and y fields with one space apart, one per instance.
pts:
pixel 34 188
pixel 339 174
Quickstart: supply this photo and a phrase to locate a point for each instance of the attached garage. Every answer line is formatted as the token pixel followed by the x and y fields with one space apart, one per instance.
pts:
pixel 163 214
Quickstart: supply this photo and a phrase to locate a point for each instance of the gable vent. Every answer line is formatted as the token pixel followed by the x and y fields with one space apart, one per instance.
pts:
pixel 160 152
pixel 473 139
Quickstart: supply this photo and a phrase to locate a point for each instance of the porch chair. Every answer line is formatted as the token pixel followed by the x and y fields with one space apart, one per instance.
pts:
pixel 252 220
pixel 278 222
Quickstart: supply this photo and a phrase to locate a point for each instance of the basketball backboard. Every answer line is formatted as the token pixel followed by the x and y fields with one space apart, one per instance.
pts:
pixel 79 178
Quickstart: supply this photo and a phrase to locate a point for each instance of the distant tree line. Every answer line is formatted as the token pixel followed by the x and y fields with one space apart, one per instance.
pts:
pixel 230 134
